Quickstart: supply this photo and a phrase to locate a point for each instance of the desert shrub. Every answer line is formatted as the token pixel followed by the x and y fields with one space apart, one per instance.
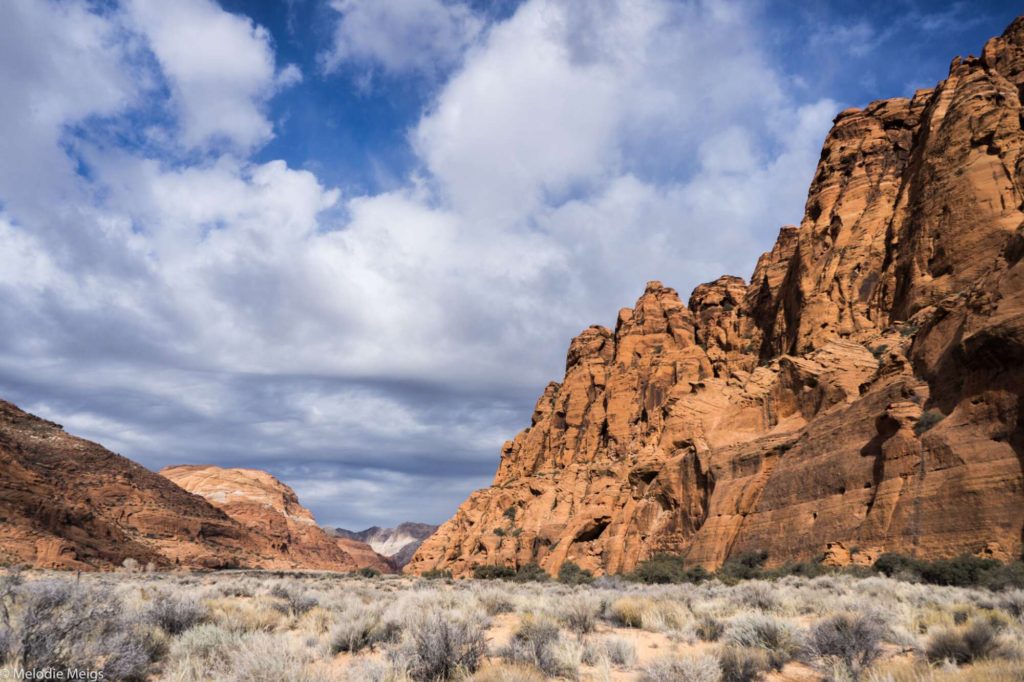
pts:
pixel 580 616
pixel 759 596
pixel 202 648
pixel 56 624
pixel 296 602
pixel 571 574
pixel 853 641
pixel 893 565
pixel 368 572
pixel 963 571
pixel 927 420
pixel 808 569
pixel 174 614
pixel 495 601
pixel 976 641
pixel 693 669
pixel 531 573
pixel 1008 577
pixel 443 645
pixel 500 532
pixel 362 629
pixel 660 569
pixel 493 572
pixel 621 652
pixel 709 629
pixel 436 574
pixel 510 513
pixel 745 566
pixel 263 657
pixel 781 640
pixel 743 664
pixel 535 643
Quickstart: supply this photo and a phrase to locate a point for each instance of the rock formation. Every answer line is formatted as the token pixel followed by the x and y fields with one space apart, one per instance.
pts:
pixel 398 544
pixel 68 503
pixel 265 505
pixel 862 393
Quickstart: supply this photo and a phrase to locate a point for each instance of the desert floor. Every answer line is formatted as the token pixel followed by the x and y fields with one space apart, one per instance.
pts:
pixel 297 626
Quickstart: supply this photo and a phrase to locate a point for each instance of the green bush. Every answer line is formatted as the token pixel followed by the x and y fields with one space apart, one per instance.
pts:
pixel 745 566
pixel 493 572
pixel 368 572
pixel 927 420
pixel 500 532
pixel 660 569
pixel 531 573
pixel 963 571
pixel 571 574
pixel 510 513
pixel 436 574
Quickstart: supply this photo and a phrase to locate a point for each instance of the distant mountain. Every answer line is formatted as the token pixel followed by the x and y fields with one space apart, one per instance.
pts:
pixel 398 543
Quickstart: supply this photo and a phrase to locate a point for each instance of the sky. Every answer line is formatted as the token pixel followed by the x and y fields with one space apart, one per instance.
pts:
pixel 348 241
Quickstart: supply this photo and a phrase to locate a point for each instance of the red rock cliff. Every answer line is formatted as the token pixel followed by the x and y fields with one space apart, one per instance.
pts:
pixel 865 389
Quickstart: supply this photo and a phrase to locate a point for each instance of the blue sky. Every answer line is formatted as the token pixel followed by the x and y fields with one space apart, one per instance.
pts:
pixel 348 241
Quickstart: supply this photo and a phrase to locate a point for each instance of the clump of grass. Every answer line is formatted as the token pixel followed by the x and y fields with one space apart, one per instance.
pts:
pixel 782 641
pixel 620 652
pixel 692 669
pixel 580 615
pixel 743 664
pixel 538 642
pixel 709 629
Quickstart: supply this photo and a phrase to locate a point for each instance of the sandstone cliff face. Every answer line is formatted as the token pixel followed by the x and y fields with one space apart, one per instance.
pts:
pixel 864 390
pixel 265 505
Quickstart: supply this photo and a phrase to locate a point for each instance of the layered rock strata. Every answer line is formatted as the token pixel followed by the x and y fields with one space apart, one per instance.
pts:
pixel 862 393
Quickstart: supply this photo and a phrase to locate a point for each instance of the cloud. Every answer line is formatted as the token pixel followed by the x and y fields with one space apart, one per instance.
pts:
pixel 188 301
pixel 219 68
pixel 402 36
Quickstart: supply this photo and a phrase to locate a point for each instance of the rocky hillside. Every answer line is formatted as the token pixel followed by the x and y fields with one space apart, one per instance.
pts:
pixel 265 505
pixel 398 544
pixel 68 503
pixel 862 393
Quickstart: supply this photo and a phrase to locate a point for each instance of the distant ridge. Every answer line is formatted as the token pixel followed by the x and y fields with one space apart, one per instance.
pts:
pixel 398 543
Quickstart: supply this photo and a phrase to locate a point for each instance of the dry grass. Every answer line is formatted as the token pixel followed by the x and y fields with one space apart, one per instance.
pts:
pixel 257 626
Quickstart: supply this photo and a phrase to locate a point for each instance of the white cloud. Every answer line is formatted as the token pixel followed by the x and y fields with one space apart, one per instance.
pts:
pixel 219 66
pixel 580 150
pixel 402 36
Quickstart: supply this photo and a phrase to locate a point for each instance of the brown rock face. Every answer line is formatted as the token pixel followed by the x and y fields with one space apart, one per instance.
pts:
pixel 265 505
pixel 69 503
pixel 864 391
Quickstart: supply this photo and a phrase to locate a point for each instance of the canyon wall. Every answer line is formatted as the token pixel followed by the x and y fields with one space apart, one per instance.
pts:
pixel 862 393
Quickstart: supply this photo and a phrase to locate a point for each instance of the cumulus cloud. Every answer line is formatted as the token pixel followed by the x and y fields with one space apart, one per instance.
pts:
pixel 402 36
pixel 219 68
pixel 203 305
